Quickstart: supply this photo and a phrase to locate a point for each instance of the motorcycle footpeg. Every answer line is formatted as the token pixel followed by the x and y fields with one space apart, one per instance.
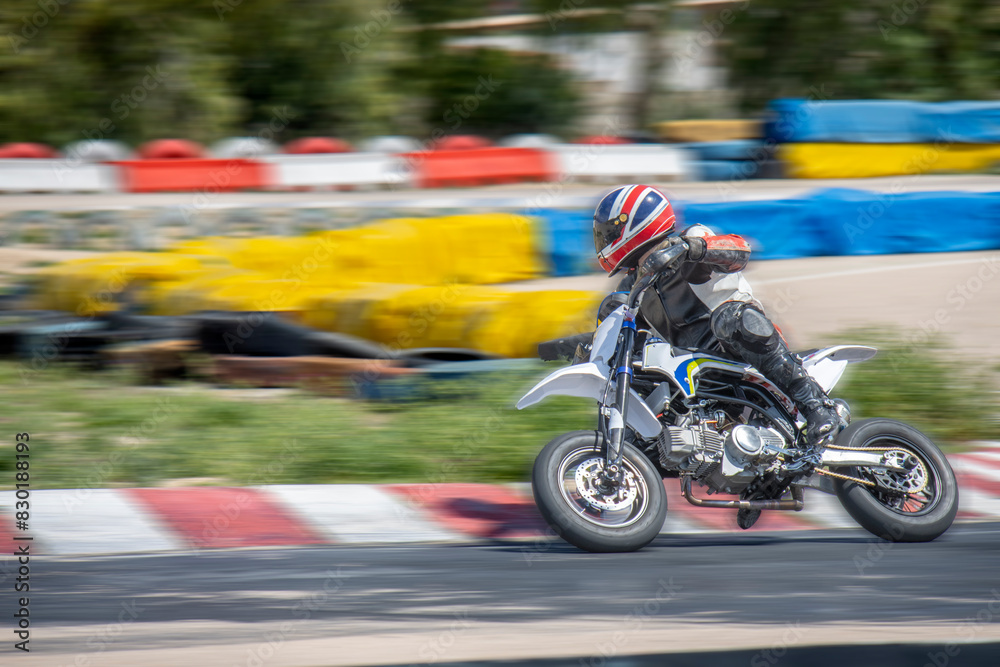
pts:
pixel 805 464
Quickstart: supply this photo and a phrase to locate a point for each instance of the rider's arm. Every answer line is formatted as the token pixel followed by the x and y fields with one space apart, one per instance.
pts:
pixel 727 253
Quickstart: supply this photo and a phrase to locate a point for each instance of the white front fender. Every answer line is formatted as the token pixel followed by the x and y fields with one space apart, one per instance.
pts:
pixel 587 381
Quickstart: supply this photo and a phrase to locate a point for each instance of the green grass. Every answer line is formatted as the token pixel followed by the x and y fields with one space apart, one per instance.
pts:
pixel 98 430
pixel 924 383
pixel 101 430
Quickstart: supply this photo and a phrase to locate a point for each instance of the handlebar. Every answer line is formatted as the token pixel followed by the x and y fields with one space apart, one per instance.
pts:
pixel 652 266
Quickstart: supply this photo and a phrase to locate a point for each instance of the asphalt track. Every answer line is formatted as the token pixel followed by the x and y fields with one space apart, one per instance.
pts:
pixel 766 593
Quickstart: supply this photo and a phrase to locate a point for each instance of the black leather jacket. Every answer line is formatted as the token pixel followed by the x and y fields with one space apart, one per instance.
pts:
pixel 679 305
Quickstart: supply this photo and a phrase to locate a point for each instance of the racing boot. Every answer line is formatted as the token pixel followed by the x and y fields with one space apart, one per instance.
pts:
pixel 746 333
pixel 818 410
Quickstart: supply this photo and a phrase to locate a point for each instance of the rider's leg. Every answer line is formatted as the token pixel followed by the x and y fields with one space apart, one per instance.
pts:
pixel 746 333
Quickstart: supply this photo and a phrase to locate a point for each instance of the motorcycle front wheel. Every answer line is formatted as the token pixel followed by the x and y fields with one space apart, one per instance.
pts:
pixel 917 506
pixel 565 483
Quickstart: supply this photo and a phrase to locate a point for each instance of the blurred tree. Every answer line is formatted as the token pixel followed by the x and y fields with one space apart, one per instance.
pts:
pixel 497 93
pixel 327 61
pixel 112 69
pixel 202 69
pixel 484 91
pixel 865 49
pixel 650 21
pixel 135 70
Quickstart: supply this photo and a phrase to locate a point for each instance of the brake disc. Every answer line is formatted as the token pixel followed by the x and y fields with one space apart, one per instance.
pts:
pixel 588 475
pixel 909 483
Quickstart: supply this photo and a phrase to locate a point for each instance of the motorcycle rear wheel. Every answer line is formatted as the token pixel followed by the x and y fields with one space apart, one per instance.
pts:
pixel 562 483
pixel 915 517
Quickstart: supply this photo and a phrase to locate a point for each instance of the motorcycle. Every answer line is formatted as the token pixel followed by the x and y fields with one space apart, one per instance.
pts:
pixel 668 412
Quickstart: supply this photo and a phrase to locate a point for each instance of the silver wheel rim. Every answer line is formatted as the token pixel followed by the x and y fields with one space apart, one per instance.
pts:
pixel 576 475
pixel 925 476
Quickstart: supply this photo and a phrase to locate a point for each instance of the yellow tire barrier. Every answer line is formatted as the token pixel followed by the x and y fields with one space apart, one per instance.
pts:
pixel 99 284
pixel 403 282
pixel 530 317
pixel 868 160
pixel 439 316
pixel 350 312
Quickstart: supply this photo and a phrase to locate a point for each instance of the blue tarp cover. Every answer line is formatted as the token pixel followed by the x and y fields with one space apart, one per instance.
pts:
pixel 882 121
pixel 825 222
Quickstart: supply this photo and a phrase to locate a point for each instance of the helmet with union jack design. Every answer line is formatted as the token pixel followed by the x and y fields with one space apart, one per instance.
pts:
pixel 626 221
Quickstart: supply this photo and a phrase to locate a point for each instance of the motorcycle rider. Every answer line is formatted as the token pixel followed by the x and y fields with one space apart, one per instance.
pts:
pixel 703 301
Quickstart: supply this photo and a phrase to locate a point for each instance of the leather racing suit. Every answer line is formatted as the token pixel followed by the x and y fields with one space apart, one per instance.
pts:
pixel 705 303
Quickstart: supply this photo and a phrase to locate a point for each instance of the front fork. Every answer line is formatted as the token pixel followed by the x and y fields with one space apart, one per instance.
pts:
pixel 617 412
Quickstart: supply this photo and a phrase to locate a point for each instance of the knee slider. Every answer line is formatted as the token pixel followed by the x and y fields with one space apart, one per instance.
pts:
pixel 725 321
pixel 756 331
pixel 754 324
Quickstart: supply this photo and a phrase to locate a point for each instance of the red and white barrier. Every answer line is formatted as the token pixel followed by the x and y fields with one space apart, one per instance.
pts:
pixel 337 170
pixel 423 169
pixel 621 162
pixel 34 175
pixel 188 175
pixel 481 166
pixel 107 521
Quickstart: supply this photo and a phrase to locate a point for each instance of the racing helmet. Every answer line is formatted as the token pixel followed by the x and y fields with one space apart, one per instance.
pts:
pixel 625 222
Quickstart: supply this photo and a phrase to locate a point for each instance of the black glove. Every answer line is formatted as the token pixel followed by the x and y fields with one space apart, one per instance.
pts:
pixel 668 254
pixel 696 247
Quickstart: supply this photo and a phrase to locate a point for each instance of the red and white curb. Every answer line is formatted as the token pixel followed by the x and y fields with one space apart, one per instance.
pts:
pixel 117 521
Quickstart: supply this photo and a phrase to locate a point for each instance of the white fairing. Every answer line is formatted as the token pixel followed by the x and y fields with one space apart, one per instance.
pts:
pixel 591 379
pixel 828 365
pixel 588 381
pixel 606 337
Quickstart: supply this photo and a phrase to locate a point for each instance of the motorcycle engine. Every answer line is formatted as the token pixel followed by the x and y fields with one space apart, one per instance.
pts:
pixel 728 461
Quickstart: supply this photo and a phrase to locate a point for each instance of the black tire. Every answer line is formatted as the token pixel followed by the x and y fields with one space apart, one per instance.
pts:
pixel 923 524
pixel 638 524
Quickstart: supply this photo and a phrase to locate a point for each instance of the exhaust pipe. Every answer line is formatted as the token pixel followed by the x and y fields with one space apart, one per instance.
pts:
pixel 796 503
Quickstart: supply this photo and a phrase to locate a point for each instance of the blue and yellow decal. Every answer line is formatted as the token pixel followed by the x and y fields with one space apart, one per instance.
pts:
pixel 685 372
